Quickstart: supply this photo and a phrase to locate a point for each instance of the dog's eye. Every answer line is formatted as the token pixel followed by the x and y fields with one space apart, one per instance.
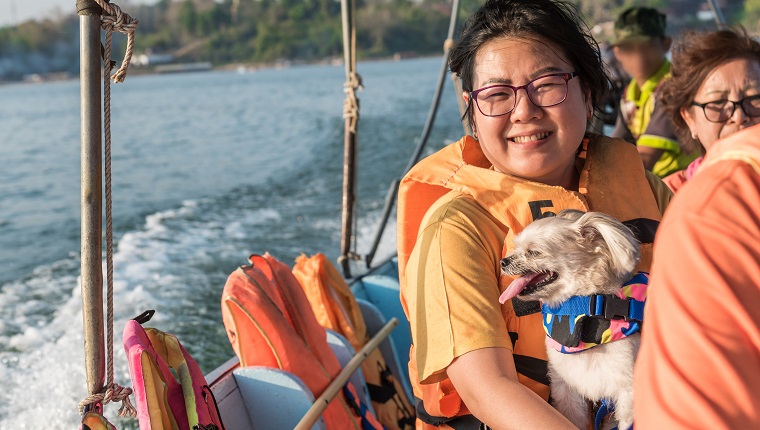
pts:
pixel 533 253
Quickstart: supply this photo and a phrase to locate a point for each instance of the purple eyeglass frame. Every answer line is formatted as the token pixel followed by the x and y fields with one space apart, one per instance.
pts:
pixel 566 76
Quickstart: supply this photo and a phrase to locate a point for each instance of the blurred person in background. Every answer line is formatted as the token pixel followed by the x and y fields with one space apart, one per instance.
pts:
pixel 640 46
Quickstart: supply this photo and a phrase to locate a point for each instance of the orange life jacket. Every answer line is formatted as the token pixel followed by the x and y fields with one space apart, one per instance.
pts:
pixel 612 181
pixel 270 323
pixel 335 307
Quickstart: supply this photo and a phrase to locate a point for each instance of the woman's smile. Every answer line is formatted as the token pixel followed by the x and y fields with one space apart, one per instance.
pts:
pixel 530 140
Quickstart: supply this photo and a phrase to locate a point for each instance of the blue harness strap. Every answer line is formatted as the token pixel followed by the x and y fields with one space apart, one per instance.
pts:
pixel 583 322
pixel 607 306
pixel 606 408
pixel 361 410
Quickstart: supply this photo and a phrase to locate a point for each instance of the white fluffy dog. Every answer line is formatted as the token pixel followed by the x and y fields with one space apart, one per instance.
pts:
pixel 579 254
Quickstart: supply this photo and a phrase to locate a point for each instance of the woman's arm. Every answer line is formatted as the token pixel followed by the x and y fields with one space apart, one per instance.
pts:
pixel 486 380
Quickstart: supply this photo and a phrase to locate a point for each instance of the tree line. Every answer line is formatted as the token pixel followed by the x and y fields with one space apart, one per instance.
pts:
pixel 262 31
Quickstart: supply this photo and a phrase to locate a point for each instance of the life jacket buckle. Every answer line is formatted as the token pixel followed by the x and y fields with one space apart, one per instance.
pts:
pixel 613 307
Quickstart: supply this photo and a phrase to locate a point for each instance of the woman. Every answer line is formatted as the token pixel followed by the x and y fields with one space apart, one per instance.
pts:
pixel 713 92
pixel 531 75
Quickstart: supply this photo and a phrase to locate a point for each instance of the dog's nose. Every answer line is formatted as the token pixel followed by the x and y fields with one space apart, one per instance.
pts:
pixel 506 261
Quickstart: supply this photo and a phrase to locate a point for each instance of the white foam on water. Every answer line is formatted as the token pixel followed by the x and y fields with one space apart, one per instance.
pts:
pixel 41 343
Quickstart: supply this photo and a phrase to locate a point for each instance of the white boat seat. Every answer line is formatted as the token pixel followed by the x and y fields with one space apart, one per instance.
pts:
pixel 275 399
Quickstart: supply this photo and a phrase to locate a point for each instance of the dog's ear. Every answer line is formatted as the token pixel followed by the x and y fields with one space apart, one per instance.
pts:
pixel 571 214
pixel 623 246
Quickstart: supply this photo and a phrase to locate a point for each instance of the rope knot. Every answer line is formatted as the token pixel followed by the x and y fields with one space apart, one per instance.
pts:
pixel 351 103
pixel 116 20
pixel 114 393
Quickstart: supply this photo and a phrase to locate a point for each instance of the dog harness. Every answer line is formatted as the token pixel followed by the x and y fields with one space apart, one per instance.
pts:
pixel 583 322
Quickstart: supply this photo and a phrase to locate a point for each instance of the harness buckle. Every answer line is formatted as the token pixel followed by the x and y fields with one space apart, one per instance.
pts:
pixel 616 308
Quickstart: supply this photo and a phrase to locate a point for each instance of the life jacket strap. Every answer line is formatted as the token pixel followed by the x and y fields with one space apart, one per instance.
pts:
pixel 605 408
pixel 606 306
pixel 368 421
pixel 460 422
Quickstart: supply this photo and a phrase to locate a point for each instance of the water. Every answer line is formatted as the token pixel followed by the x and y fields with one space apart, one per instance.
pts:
pixel 208 168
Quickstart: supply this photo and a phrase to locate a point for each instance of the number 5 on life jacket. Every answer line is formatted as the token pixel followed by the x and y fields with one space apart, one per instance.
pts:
pixel 164 402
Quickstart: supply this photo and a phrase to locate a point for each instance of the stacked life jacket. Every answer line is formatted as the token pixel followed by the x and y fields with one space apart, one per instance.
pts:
pixel 335 308
pixel 612 181
pixel 270 323
pixel 164 402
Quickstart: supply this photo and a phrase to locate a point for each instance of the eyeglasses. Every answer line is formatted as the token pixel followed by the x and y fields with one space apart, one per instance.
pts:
pixel 722 110
pixel 544 91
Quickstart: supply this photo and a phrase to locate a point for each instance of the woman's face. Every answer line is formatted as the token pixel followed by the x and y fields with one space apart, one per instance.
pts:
pixel 536 143
pixel 733 80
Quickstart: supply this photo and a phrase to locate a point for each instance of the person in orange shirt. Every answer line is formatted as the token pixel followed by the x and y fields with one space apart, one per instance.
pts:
pixel 699 362
pixel 713 91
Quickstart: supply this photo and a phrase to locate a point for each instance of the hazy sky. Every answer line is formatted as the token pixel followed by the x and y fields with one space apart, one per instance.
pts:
pixel 14 11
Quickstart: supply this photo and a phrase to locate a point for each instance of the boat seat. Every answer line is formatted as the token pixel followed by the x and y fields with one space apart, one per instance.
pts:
pixel 383 292
pixel 275 399
pixel 374 320
pixel 344 352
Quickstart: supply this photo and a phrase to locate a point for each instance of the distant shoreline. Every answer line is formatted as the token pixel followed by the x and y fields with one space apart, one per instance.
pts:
pixel 194 67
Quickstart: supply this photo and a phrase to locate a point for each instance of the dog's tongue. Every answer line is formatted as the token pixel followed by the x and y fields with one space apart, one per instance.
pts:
pixel 516 287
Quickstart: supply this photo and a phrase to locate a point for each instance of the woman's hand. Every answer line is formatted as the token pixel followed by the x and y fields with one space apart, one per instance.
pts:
pixel 486 380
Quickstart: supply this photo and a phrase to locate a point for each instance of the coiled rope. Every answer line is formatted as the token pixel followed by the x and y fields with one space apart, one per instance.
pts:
pixel 112 19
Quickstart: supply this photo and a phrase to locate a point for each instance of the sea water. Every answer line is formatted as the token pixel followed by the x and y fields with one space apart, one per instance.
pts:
pixel 207 168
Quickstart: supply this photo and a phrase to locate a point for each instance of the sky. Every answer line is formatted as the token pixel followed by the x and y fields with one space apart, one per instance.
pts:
pixel 15 11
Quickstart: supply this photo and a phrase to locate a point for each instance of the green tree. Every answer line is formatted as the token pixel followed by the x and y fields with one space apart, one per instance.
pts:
pixel 187 16
pixel 751 18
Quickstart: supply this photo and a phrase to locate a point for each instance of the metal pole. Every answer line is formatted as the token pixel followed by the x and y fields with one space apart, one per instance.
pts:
pixel 349 142
pixel 91 203
pixel 720 20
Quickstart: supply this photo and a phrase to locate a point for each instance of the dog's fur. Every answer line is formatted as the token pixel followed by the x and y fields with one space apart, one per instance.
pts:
pixel 581 254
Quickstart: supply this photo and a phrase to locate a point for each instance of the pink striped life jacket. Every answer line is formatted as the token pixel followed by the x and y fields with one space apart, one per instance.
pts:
pixel 163 401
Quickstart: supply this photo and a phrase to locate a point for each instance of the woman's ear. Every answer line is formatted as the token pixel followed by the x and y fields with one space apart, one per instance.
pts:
pixel 690 121
pixel 466 98
pixel 589 103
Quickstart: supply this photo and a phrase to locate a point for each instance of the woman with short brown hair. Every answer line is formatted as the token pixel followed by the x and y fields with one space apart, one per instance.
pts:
pixel 713 92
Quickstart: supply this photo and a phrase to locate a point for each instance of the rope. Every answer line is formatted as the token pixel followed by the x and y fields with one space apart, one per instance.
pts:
pixel 351 103
pixel 115 20
pixel 114 393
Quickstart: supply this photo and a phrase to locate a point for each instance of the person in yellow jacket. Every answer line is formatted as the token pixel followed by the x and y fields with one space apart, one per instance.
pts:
pixel 531 75
pixel 640 46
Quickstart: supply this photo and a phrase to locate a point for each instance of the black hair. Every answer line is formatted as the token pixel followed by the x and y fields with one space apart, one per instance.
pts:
pixel 554 21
